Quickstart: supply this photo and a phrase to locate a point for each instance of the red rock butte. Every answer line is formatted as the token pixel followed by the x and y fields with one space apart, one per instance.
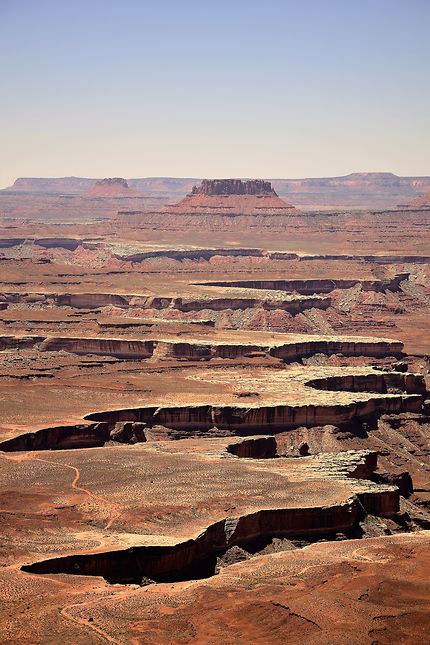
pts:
pixel 111 187
pixel 232 197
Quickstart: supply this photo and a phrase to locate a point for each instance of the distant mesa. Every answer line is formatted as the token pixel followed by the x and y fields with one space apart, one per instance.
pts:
pixel 111 187
pixel 232 197
pixel 360 190
pixel 421 203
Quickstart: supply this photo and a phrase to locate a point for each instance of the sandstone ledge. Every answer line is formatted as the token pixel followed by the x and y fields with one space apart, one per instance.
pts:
pixel 314 496
pixel 285 346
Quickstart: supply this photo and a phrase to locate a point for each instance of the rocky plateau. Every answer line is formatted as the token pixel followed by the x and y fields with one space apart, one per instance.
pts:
pixel 215 412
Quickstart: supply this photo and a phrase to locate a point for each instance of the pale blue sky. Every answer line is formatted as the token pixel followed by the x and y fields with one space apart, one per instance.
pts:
pixel 281 88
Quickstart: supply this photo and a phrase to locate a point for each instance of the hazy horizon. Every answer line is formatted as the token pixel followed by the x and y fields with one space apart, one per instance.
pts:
pixel 243 178
pixel 286 90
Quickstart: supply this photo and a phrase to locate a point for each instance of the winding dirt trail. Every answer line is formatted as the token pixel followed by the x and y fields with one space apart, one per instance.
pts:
pixel 86 623
pixel 65 610
pixel 74 485
pixel 119 594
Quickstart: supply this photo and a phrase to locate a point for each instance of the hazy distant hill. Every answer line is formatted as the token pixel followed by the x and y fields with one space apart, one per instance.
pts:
pixel 357 190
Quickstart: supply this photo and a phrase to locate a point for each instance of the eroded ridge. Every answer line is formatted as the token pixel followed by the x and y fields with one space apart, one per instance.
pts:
pixel 288 347
pixel 346 397
pixel 313 286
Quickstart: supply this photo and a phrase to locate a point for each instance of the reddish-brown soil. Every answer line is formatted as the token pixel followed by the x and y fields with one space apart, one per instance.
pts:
pixel 372 591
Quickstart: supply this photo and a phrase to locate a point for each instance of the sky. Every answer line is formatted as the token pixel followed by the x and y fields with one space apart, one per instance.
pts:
pixel 238 88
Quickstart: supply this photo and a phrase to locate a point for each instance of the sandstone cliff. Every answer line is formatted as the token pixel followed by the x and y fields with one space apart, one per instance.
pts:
pixel 232 197
pixel 233 187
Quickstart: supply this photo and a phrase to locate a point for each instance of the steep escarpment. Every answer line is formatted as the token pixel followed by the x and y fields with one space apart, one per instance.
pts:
pixel 14 342
pixel 293 348
pixel 174 423
pixel 299 347
pixel 8 242
pixel 292 304
pixel 280 400
pixel 357 190
pixel 159 424
pixel 309 286
pixel 233 299
pixel 190 254
pixel 382 383
pixel 100 347
pixel 85 435
pixel 197 558
pixel 200 419
pixel 200 556
pixel 90 300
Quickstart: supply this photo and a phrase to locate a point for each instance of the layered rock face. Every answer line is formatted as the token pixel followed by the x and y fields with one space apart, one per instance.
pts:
pixel 233 187
pixel 307 287
pixel 292 348
pixel 111 187
pixel 100 347
pixel 192 558
pixel 90 300
pixel 232 197
pixel 198 420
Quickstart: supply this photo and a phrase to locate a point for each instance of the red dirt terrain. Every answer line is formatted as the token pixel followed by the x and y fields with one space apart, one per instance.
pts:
pixel 215 423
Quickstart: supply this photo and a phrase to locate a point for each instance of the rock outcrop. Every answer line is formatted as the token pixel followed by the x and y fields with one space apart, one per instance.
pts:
pixel 200 419
pixel 90 300
pixel 126 349
pixel 232 197
pixel 315 285
pixel 82 435
pixel 111 187
pixel 292 304
pixel 289 347
pixel 233 187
